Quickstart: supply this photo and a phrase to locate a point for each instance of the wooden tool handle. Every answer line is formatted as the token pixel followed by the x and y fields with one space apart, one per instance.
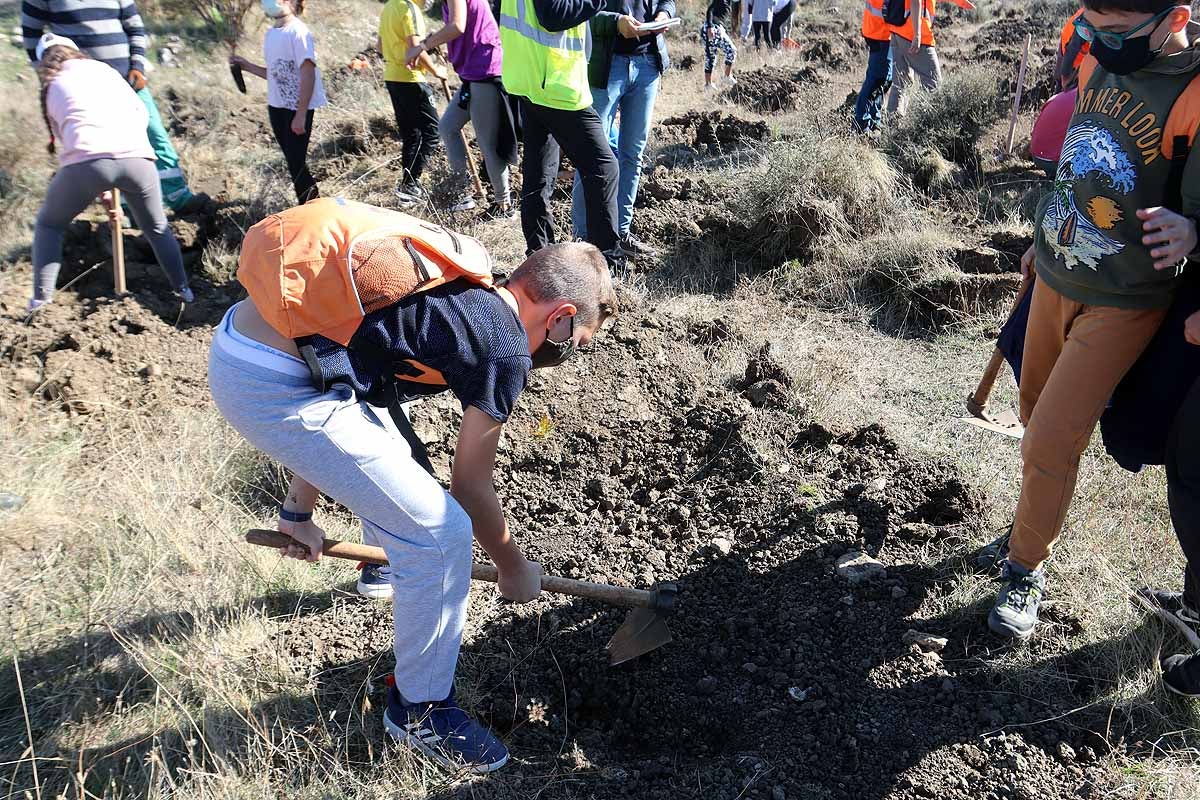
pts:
pixel 118 245
pixel 617 595
pixel 978 400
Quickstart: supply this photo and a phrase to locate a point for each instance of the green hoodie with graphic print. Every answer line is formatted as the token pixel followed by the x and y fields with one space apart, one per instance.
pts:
pixel 1088 235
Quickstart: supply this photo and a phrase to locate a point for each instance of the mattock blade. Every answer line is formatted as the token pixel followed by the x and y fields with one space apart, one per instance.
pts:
pixel 645 629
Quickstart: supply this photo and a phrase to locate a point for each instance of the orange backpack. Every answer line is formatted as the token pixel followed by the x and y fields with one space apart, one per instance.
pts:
pixel 320 268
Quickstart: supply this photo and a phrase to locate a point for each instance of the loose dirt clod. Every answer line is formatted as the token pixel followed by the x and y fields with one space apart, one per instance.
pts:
pixel 772 89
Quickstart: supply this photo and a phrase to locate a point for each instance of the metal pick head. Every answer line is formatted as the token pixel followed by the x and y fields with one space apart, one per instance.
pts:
pixel 645 629
pixel 1005 423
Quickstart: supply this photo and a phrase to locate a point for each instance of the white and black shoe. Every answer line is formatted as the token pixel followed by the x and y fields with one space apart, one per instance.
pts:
pixel 410 194
pixel 443 732
pixel 375 582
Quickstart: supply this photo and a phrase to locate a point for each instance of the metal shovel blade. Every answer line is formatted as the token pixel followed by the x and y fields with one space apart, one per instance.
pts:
pixel 1006 422
pixel 644 630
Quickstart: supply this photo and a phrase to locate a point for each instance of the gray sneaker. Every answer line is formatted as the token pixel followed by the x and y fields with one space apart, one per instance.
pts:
pixel 1016 611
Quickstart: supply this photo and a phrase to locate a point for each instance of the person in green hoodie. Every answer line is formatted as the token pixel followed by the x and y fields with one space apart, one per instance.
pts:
pixel 1108 256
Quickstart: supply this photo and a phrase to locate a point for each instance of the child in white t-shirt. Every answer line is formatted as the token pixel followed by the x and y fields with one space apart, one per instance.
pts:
pixel 294 87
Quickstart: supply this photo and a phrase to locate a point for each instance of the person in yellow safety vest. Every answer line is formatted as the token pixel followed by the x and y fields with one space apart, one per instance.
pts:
pixel 913 50
pixel 545 65
pixel 868 111
pixel 1072 49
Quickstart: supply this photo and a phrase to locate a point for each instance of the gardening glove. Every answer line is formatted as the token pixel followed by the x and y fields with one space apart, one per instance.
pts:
pixel 522 584
pixel 137 79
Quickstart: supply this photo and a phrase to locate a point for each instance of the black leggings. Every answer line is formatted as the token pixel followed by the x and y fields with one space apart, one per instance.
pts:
pixel 295 150
pixel 763 30
pixel 781 18
pixel 1183 488
pixel 417 121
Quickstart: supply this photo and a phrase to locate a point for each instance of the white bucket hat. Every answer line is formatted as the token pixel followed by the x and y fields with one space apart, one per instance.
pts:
pixel 49 40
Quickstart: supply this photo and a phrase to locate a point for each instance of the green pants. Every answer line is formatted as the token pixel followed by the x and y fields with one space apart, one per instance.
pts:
pixel 175 191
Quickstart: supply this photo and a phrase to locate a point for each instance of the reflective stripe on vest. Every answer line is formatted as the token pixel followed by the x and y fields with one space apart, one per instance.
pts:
pixel 520 24
pixel 873 26
pixel 927 12
pixel 548 68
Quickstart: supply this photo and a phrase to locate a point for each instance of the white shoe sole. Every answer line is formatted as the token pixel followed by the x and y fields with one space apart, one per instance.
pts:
pixel 375 591
pixel 400 735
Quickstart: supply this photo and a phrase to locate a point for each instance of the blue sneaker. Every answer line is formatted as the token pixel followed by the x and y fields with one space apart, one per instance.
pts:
pixel 445 733
pixel 375 582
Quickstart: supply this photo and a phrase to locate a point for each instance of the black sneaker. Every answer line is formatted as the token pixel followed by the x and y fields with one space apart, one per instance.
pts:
pixel 1181 674
pixel 636 247
pixel 1016 611
pixel 991 557
pixel 507 211
pixel 1172 603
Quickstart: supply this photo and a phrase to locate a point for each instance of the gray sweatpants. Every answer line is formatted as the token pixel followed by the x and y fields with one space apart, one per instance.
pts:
pixel 483 113
pixel 73 187
pixel 925 63
pixel 353 453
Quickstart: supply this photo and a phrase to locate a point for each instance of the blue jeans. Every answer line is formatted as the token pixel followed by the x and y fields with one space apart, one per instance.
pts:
pixel 868 111
pixel 632 87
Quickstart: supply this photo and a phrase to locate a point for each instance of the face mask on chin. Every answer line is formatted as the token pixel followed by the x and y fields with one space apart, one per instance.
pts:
pixel 551 353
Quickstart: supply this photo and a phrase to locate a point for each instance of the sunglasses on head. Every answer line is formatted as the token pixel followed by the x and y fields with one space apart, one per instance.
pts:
pixel 1090 33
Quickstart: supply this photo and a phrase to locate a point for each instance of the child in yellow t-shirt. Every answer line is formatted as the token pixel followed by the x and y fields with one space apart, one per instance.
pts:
pixel 401 26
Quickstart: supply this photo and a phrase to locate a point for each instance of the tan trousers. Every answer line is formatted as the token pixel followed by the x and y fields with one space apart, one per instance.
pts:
pixel 1075 355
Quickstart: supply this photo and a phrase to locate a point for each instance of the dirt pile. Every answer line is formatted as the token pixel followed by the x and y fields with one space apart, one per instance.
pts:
pixel 770 90
pixel 711 132
pixel 802 571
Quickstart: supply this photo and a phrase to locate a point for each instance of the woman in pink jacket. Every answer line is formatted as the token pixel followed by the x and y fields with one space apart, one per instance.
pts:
pixel 98 130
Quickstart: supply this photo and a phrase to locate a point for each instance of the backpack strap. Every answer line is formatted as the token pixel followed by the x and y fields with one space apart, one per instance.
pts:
pixel 1178 137
pixel 1086 70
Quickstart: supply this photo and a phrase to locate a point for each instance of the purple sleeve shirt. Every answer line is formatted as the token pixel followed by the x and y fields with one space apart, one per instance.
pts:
pixel 476 55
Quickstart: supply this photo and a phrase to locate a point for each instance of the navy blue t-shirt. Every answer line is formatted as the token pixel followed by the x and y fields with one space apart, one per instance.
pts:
pixel 464 331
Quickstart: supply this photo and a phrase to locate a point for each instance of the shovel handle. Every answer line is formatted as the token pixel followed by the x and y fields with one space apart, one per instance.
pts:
pixel 977 402
pixel 616 595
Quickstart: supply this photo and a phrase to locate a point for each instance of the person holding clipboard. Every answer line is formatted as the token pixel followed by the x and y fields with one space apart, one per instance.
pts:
pixel 624 73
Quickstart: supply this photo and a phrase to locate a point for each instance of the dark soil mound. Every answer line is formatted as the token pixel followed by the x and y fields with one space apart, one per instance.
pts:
pixel 772 89
pixel 790 675
pixel 711 132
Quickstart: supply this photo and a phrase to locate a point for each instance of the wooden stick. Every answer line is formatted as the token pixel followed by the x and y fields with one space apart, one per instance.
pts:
pixel 1012 123
pixel 118 244
pixel 466 149
pixel 978 401
pixel 1170 619
pixel 617 595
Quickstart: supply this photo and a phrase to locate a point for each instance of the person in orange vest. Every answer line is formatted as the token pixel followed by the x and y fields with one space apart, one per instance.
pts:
pixel 868 111
pixel 1071 51
pixel 913 50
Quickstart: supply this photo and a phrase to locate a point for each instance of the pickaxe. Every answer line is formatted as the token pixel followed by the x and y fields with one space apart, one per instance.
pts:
pixel 645 628
pixel 1006 422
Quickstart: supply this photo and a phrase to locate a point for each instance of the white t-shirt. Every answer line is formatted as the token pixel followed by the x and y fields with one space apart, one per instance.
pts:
pixel 285 49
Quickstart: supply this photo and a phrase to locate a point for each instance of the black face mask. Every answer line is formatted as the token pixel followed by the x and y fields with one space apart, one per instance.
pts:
pixel 551 353
pixel 1130 57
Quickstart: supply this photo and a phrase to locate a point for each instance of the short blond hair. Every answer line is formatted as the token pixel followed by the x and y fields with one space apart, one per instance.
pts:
pixel 573 272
